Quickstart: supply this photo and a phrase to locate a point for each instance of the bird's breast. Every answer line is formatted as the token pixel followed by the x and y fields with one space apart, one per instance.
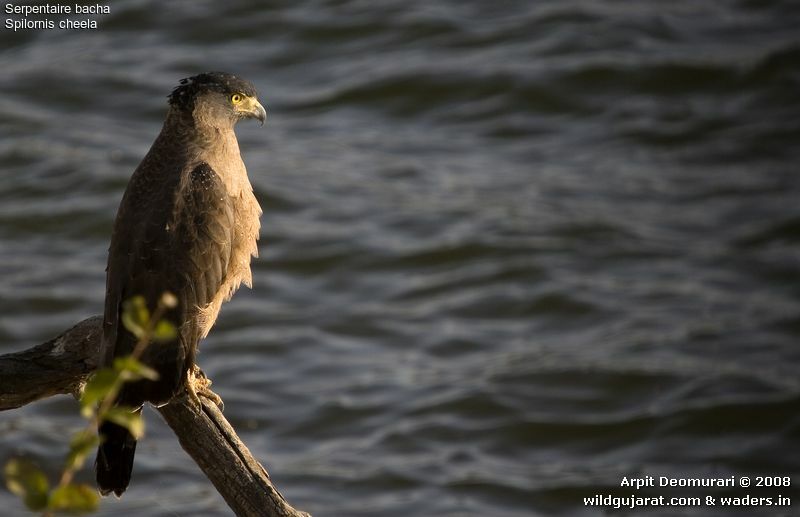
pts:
pixel 244 236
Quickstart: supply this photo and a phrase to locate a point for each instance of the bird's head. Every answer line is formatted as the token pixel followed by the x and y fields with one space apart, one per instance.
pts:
pixel 218 99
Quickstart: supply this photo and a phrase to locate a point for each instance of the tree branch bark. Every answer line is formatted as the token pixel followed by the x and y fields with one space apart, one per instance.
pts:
pixel 63 364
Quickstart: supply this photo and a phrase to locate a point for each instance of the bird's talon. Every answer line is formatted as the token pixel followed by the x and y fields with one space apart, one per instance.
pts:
pixel 198 385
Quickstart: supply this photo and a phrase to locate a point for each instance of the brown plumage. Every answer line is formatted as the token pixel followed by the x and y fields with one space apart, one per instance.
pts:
pixel 187 224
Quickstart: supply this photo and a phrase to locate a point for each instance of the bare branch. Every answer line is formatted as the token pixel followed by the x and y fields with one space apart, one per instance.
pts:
pixel 58 366
pixel 63 364
pixel 230 466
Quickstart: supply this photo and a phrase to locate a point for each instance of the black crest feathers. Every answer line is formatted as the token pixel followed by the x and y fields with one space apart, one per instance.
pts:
pixel 186 92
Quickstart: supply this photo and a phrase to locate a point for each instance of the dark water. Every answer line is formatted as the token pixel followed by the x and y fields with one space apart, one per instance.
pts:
pixel 511 252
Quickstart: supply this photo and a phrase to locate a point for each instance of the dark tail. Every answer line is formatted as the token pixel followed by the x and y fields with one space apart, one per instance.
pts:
pixel 114 459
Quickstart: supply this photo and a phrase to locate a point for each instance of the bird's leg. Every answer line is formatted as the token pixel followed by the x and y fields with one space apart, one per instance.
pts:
pixel 198 385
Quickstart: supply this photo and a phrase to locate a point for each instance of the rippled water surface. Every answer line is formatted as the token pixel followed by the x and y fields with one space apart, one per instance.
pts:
pixel 511 251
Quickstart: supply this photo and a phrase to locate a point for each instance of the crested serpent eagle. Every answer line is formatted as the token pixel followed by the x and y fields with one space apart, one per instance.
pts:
pixel 187 224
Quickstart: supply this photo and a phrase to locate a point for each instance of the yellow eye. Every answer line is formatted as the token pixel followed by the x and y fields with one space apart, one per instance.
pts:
pixel 236 98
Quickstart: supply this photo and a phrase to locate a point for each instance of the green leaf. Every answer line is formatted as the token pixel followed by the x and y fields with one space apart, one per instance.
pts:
pixel 164 331
pixel 99 386
pixel 136 316
pixel 132 369
pixel 127 418
pixel 81 445
pixel 74 498
pixel 26 480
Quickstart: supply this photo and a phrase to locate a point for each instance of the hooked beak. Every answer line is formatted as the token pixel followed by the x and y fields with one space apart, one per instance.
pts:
pixel 258 112
pixel 251 108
